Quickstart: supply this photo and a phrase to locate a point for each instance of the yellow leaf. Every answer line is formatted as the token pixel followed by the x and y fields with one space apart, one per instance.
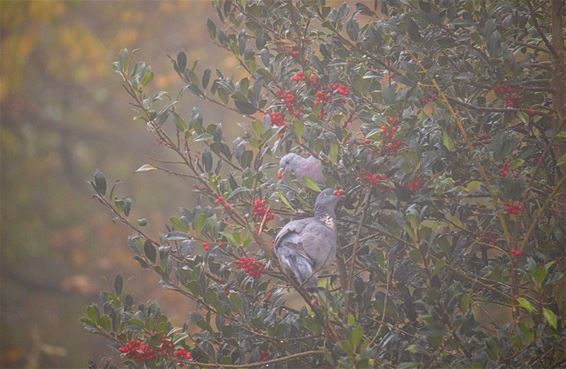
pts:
pixel 428 109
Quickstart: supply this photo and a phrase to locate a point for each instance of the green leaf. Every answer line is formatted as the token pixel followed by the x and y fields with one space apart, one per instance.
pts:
pixel 245 107
pixel 561 161
pixel 246 158
pixel 447 141
pixel 206 77
pixel 356 336
pixel 494 44
pixel 203 137
pixel 353 29
pixel 211 28
pixel 206 158
pixel 199 222
pixel 311 184
pixel 92 312
pixel 284 200
pixel 141 261
pixel 100 182
pixel 413 29
pixel 105 322
pixel 560 135
pixel 149 251
pixel 118 284
pixel 181 61
pixel 525 304
pixel 550 317
pixel 180 123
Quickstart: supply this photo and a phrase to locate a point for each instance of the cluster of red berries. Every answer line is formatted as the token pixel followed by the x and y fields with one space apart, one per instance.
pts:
pixel 205 246
pixel 504 171
pixel 394 144
pixel 221 201
pixel 251 266
pixel 516 252
pixel 509 93
pixel 414 185
pixel 340 89
pixel 286 97
pixel 260 210
pixel 326 95
pixel 388 132
pixel 137 350
pixel 393 121
pixel 322 97
pixel 180 355
pixel 372 179
pixel 298 77
pixel 512 207
pixel 276 119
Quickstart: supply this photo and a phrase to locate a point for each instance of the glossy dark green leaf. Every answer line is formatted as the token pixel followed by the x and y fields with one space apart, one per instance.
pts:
pixel 413 29
pixel 206 77
pixel 118 284
pixel 211 28
pixel 181 61
pixel 100 182
pixel 149 251
pixel 245 107
pixel 207 161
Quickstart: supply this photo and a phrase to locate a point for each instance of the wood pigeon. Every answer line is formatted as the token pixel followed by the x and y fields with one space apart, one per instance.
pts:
pixel 310 167
pixel 306 246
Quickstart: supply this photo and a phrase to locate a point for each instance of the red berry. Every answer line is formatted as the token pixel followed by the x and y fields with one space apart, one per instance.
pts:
pixel 298 77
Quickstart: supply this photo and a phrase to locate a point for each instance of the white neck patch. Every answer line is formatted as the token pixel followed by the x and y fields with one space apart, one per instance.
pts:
pixel 328 221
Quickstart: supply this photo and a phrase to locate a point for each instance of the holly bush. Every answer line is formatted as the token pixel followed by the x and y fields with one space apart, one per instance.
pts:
pixel 443 122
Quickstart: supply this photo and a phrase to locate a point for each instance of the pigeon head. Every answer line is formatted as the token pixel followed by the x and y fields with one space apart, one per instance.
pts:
pixel 288 162
pixel 326 202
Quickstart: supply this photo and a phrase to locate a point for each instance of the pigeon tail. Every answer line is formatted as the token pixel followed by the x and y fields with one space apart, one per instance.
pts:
pixel 299 265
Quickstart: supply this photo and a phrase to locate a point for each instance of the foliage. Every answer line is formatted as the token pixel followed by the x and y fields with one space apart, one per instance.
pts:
pixel 441 120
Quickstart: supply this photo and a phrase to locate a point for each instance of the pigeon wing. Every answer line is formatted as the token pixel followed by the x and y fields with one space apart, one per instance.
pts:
pixel 289 250
pixel 317 240
pixel 319 243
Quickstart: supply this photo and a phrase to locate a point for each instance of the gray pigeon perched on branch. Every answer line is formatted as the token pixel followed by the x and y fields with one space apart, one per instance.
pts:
pixel 301 167
pixel 306 246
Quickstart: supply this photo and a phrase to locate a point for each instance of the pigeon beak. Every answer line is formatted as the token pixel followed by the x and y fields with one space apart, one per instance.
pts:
pixel 280 173
pixel 339 192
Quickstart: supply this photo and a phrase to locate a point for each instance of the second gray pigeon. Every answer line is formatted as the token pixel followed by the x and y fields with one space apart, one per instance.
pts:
pixel 306 246
pixel 310 167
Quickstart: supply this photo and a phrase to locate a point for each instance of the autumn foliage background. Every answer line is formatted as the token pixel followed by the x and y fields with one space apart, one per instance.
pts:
pixel 63 113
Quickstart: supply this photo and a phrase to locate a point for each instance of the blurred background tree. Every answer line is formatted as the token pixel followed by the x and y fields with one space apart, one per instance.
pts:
pixel 59 99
